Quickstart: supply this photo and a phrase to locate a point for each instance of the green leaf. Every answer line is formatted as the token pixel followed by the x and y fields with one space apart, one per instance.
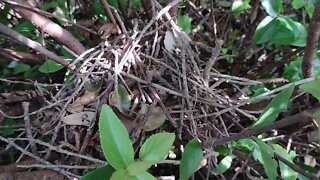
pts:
pixel 25 28
pixel 143 176
pixel 184 22
pixel 265 30
pixel 124 99
pixel 310 7
pixel 104 171
pixel 8 131
pixel 290 33
pixel 312 87
pixel 293 71
pixel 156 147
pixel 239 6
pixel 137 167
pixel 114 139
pixel 119 174
pixel 286 172
pixel 20 67
pixel 278 104
pixel 223 165
pixel 269 163
pixel 136 4
pixel 50 66
pixel 191 158
pixel 297 4
pixel 272 7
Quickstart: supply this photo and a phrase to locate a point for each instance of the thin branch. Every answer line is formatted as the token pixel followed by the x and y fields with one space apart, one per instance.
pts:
pixel 312 44
pixel 35 45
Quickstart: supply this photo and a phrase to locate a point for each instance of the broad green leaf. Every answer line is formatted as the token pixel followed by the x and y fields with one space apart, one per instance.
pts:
pixel 138 167
pixel 286 172
pixel 191 158
pixel 310 7
pixel 266 30
pixel 119 174
pixel 312 87
pixel 25 28
pixel 20 67
pixel 239 6
pixel 136 4
pixel 184 22
pixel 290 33
pixel 223 165
pixel 156 147
pixel 293 71
pixel 104 171
pixel 269 163
pixel 272 7
pixel 222 149
pixel 297 4
pixel 278 104
pixel 114 139
pixel 248 145
pixel 143 176
pixel 50 66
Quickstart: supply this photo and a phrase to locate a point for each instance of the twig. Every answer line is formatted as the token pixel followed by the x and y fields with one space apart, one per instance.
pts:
pixel 44 13
pixel 25 106
pixel 215 53
pixel 57 149
pixel 109 12
pixel 312 44
pixel 51 166
pixel 35 45
pixel 295 167
pixel 298 118
pixel 68 174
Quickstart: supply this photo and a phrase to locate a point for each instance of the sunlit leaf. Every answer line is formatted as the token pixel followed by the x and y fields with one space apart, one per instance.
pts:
pixel 114 139
pixel 21 68
pixel 156 147
pixel 191 158
pixel 269 163
pixel 239 6
pixel 312 87
pixel 50 66
pixel 138 167
pixel 184 22
pixel 278 104
pixel 119 174
pixel 223 165
pixel 272 7
pixel 286 172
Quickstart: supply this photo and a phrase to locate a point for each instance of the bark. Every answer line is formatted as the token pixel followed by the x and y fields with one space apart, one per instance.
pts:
pixel 57 32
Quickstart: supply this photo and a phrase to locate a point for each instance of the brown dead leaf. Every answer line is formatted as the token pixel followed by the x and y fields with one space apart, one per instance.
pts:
pixel 155 120
pixel 107 29
pixel 81 118
pixel 88 97
pixel 76 106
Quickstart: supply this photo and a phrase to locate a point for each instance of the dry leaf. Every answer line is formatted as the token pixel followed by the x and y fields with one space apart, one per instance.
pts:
pixel 169 41
pixel 81 119
pixel 88 97
pixel 106 30
pixel 155 120
pixel 76 106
